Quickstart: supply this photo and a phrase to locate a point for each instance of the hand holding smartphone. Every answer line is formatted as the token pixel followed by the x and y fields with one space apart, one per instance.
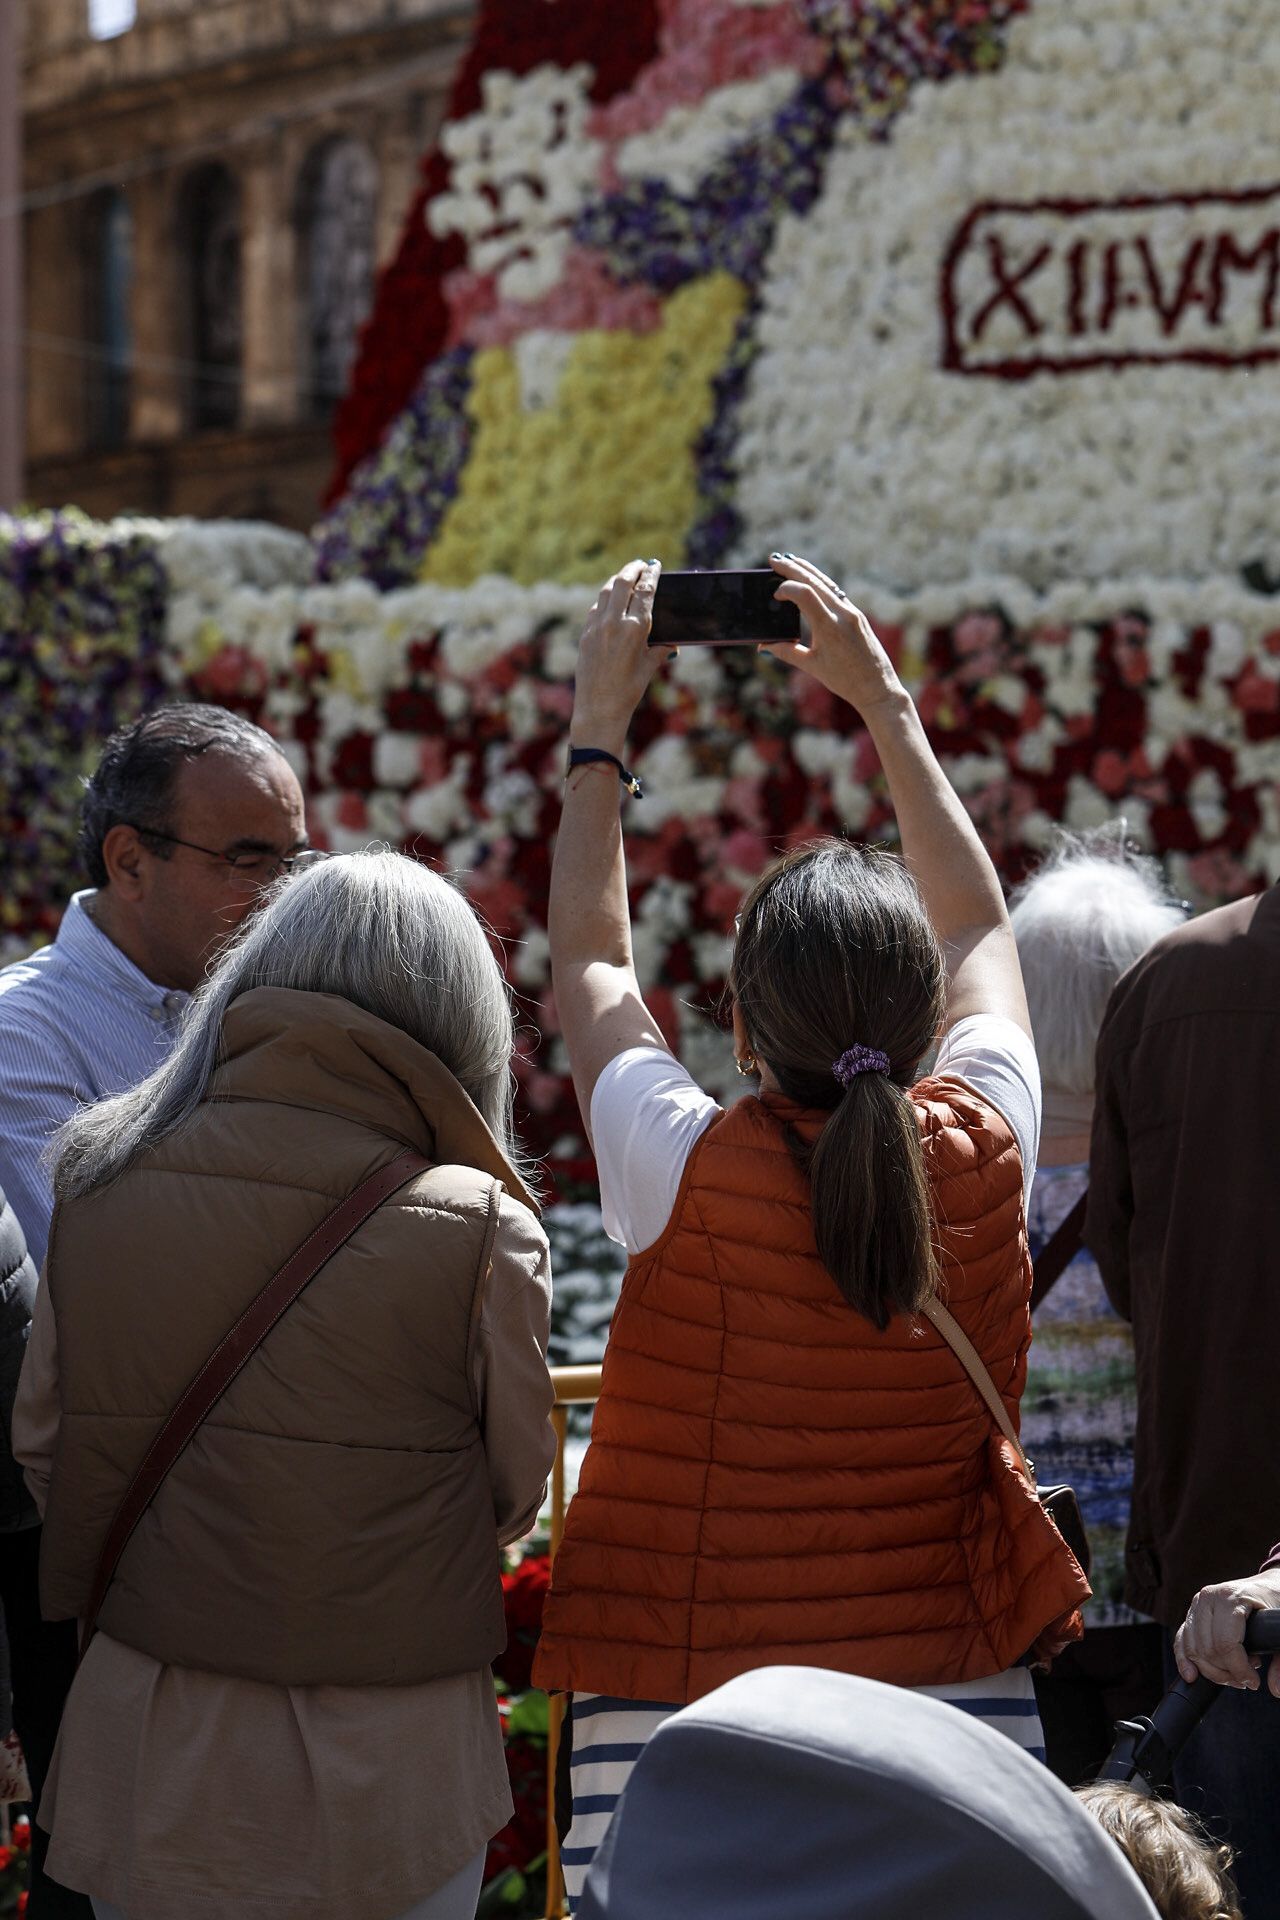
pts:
pixel 721 609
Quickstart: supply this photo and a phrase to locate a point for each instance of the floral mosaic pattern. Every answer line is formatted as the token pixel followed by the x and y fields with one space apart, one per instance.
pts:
pixel 560 223
pixel 830 155
pixel 82 612
pixel 433 718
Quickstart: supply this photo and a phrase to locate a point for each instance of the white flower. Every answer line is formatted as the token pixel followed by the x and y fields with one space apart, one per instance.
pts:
pixel 522 168
pixel 531 959
pixel 686 143
pixel 438 811
pixel 397 759
pixel 541 356
pixel 1205 803
pixel 1086 805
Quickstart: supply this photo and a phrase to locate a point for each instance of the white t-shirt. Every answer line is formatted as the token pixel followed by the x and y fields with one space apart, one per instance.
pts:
pixel 647 1115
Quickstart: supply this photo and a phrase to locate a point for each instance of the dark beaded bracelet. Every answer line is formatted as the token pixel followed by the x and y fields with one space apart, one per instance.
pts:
pixel 583 756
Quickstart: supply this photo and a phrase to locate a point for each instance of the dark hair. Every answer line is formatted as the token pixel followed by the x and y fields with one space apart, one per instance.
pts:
pixel 133 782
pixel 835 950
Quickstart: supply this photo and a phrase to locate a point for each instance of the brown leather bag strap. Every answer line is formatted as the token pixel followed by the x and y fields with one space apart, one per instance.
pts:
pixel 971 1360
pixel 1058 1251
pixel 230 1355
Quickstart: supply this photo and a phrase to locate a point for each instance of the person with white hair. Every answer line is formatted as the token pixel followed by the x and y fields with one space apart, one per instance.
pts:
pixel 288 1710
pixel 1080 921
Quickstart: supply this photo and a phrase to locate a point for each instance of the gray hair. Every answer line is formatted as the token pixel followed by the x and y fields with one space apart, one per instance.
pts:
pixel 375 928
pixel 1081 920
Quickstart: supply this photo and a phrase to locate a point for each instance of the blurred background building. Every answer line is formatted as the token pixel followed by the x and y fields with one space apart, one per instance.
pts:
pixel 209 187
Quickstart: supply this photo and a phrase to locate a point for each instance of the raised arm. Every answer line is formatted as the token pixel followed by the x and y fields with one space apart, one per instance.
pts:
pixel 951 867
pixel 598 997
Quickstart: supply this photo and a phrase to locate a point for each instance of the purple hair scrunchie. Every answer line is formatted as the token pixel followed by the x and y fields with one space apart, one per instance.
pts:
pixel 859 1060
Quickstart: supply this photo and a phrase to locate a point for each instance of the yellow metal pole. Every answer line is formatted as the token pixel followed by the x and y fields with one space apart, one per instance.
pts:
pixel 575 1387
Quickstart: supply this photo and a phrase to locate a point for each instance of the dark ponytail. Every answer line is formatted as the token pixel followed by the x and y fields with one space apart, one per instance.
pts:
pixel 834 951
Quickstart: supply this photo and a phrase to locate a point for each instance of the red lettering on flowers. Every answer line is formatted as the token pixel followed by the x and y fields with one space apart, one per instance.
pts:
pixel 1062 286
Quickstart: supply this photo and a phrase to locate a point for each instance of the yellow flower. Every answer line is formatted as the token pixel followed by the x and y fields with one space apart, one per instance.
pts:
pixel 603 473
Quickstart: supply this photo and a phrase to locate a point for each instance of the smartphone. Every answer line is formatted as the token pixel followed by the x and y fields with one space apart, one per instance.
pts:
pixel 721 610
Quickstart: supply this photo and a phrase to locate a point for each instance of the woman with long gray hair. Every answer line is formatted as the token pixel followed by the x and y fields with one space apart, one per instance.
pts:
pixel 288 1709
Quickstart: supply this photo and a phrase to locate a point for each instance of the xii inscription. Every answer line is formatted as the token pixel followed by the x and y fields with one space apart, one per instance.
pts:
pixel 1062 286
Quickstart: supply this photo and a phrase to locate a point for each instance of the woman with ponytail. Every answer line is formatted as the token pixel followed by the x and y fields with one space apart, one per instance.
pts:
pixel 789 1465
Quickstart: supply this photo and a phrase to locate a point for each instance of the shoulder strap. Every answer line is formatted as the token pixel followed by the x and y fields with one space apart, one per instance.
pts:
pixel 230 1355
pixel 1059 1250
pixel 971 1360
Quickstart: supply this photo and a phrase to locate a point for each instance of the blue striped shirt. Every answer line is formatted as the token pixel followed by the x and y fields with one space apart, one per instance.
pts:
pixel 78 1021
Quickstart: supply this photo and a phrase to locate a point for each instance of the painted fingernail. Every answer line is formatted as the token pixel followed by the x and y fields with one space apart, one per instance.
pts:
pixel 674 654
pixel 655 562
pixel 775 556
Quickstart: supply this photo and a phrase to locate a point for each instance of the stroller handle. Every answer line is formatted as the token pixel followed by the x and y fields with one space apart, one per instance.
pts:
pixel 1146 1747
pixel 1262 1631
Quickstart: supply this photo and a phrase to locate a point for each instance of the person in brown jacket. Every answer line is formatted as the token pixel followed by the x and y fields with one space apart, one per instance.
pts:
pixel 1184 1220
pixel 288 1711
pixel 789 1463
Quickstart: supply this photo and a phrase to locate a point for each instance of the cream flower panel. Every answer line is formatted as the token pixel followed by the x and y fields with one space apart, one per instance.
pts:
pixel 861 445
pixel 521 170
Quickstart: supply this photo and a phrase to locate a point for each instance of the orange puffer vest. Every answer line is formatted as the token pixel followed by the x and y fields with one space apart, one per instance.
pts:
pixel 771 1480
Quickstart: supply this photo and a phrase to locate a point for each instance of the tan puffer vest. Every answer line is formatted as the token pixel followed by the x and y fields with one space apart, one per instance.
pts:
pixel 332 1521
pixel 773 1481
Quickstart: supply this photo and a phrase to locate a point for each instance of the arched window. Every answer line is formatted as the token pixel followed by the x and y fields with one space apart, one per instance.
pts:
pixel 337 203
pixel 110 335
pixel 209 226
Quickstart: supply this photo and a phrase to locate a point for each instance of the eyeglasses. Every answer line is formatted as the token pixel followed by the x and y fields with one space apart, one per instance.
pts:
pixel 251 863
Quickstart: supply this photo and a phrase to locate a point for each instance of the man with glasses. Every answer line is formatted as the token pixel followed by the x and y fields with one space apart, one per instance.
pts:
pixel 191 812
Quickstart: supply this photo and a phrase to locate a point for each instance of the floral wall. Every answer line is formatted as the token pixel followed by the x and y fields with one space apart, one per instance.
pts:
pixel 977 302
pixel 433 718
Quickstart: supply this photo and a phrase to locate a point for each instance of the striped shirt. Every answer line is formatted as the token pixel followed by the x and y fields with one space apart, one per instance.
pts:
pixel 608 1735
pixel 78 1022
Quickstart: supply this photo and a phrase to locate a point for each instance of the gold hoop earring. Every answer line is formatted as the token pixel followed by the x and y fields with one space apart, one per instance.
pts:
pixel 747 1065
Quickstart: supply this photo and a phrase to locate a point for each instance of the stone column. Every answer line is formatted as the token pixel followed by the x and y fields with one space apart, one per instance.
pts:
pixel 56 298
pixel 159 320
pixel 269 282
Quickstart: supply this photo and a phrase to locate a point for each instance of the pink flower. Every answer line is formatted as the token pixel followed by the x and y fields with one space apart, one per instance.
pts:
pixel 1219 875
pixel 555 700
pixel 1255 693
pixel 1111 772
pixel 744 799
pixel 707 44
pixel 744 852
pixel 433 761
pixel 976 633
pixel 544 1091
pixel 721 900
pixel 584 296
pixel 469 296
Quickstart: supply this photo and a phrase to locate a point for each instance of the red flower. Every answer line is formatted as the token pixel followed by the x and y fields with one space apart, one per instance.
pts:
pixel 22 1833
pixel 523 1593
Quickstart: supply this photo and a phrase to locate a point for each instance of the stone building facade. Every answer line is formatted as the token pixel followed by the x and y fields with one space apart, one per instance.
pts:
pixel 208 194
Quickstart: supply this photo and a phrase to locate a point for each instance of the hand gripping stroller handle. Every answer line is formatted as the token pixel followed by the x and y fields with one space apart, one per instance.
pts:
pixel 1146 1748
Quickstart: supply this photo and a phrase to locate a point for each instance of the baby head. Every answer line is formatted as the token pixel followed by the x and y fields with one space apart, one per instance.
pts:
pixel 1186 1874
